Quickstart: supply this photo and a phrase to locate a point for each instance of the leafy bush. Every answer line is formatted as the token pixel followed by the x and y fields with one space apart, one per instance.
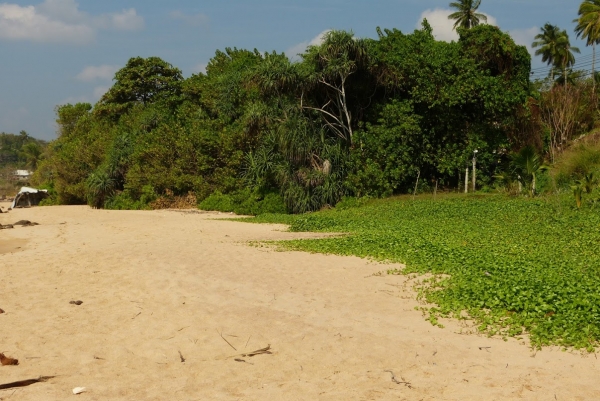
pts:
pixel 351 202
pixel 123 201
pixel 218 202
pixel 244 202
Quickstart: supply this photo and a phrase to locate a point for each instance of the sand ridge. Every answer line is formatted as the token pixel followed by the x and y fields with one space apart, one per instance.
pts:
pixel 161 286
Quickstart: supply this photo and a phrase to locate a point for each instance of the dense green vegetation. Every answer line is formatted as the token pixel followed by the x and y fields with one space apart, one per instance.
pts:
pixel 353 117
pixel 515 265
pixel 17 152
pixel 20 151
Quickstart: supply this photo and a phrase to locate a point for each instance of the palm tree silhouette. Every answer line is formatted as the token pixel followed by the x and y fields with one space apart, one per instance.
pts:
pixel 588 28
pixel 466 14
pixel 555 48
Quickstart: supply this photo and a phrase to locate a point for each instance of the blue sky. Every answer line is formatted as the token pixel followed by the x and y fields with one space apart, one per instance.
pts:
pixel 66 51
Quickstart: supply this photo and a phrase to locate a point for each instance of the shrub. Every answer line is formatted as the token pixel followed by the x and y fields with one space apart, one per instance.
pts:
pixel 245 202
pixel 576 162
pixel 123 201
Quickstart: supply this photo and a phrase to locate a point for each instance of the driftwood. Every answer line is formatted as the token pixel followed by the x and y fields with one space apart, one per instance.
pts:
pixel 25 383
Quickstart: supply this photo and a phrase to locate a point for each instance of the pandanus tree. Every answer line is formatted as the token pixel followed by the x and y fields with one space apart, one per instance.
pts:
pixel 328 70
pixel 466 15
pixel 588 28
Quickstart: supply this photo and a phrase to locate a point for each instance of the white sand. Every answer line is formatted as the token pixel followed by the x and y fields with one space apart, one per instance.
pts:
pixel 154 284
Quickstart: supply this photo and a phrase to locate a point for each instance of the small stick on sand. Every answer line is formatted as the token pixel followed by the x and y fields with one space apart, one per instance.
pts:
pixel 181 357
pixel 407 384
pixel 259 352
pixel 224 339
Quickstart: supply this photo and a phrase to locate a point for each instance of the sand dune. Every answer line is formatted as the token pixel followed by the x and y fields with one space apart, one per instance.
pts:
pixel 158 287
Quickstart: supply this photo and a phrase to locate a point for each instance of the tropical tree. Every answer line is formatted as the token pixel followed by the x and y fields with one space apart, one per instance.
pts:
pixel 466 15
pixel 32 153
pixel 564 56
pixel 548 42
pixel 141 81
pixel 328 71
pixel 588 27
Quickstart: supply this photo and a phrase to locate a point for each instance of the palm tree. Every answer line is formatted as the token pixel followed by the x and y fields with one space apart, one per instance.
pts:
pixel 32 152
pixel 548 43
pixel 555 49
pixel 466 14
pixel 564 56
pixel 588 27
pixel 526 164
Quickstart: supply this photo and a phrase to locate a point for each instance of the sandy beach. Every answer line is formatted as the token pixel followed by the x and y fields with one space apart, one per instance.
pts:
pixel 174 301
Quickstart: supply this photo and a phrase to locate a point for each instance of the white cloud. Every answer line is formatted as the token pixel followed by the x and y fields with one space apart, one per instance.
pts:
pixel 102 72
pixel 126 20
pixel 191 19
pixel 60 21
pixel 443 28
pixel 26 23
pixel 61 10
pixel 525 37
pixel 293 51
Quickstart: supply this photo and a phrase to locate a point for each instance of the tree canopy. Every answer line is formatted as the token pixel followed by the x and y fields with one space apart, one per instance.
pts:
pixel 352 117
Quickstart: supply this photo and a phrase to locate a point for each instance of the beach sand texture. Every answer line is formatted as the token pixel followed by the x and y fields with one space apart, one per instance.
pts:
pixel 161 286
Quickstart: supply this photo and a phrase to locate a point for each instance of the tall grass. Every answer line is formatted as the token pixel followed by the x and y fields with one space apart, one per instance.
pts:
pixel 576 162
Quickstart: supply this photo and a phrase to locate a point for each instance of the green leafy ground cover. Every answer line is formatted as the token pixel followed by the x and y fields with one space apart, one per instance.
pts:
pixel 515 265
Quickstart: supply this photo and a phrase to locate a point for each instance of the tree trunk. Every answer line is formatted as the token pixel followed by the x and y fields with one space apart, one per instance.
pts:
pixel 467 180
pixel 593 67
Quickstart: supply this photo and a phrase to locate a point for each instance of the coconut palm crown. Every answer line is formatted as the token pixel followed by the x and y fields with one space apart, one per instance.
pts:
pixel 588 27
pixel 555 48
pixel 466 15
